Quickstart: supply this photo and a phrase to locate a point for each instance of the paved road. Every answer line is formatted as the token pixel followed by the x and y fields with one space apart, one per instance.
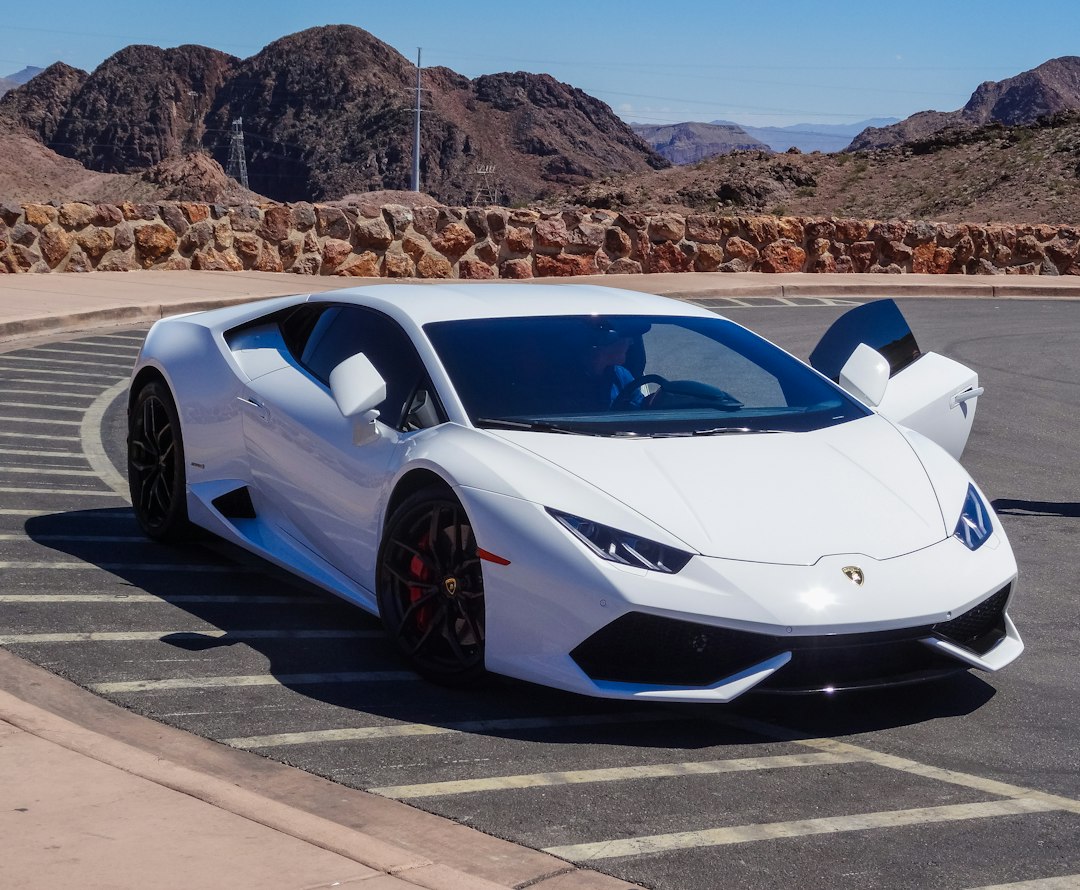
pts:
pixel 970 783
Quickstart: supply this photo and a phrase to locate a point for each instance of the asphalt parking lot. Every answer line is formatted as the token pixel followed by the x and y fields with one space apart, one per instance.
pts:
pixel 974 782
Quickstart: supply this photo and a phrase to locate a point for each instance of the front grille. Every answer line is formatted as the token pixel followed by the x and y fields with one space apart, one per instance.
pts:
pixel 648 649
pixel 639 648
pixel 979 628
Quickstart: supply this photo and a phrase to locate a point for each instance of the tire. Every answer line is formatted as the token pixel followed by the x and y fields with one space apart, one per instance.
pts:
pixel 431 588
pixel 156 478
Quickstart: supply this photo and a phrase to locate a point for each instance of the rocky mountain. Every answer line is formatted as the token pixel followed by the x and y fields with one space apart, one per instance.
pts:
pixel 40 104
pixel 1052 87
pixel 140 106
pixel 690 142
pixel 994 173
pixel 328 111
pixel 811 137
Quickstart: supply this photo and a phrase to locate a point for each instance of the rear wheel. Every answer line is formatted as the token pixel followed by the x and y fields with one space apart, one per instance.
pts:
pixel 156 464
pixel 431 588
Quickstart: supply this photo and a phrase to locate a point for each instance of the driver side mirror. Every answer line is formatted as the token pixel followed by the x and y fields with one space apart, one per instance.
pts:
pixel 357 388
pixel 865 375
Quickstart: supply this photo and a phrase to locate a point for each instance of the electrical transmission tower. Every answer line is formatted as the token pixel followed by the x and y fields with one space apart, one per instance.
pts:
pixel 237 160
pixel 487 193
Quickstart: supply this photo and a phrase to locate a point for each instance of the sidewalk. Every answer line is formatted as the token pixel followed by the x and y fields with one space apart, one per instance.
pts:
pixel 98 797
pixel 36 304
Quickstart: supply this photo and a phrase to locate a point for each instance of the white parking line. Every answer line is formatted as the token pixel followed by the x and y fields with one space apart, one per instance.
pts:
pixel 47 471
pixel 614 774
pixel 52 384
pixel 98 355
pixel 179 599
pixel 49 421
pixel 98 514
pixel 12 434
pixel 27 452
pixel 53 372
pixel 136 338
pixel 22 357
pixel 1065 882
pixel 76 539
pixel 27 565
pixel 50 394
pixel 67 492
pixel 399 730
pixel 255 680
pixel 143 636
pixel 39 407
pixel 740 834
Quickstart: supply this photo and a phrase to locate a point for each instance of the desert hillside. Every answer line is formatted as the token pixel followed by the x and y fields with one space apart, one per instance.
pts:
pixel 993 173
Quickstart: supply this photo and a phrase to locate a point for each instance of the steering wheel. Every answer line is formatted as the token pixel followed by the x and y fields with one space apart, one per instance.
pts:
pixel 622 400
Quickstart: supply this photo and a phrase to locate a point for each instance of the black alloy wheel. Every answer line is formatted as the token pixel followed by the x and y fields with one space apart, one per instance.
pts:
pixel 431 588
pixel 156 464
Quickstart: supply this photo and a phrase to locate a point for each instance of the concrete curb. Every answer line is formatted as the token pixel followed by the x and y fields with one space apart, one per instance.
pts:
pixel 114 316
pixel 74 719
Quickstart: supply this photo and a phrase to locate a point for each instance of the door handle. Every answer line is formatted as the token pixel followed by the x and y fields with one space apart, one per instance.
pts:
pixel 260 409
pixel 972 392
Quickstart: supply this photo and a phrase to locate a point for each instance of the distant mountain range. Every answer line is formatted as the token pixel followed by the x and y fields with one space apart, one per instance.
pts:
pixel 693 141
pixel 812 137
pixel 10 81
pixel 690 142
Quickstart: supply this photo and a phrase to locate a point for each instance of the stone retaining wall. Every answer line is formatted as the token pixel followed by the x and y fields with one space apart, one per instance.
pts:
pixel 494 242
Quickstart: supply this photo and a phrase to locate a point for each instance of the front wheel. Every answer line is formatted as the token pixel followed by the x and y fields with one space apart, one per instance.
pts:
pixel 156 477
pixel 431 588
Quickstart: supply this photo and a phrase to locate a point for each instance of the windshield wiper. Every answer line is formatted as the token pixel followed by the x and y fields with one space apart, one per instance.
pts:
pixel 538 426
pixel 724 430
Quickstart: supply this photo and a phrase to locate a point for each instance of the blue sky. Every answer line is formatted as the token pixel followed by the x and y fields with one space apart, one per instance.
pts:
pixel 761 63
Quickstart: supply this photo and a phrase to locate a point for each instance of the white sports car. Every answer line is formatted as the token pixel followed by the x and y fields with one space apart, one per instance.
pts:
pixel 598 490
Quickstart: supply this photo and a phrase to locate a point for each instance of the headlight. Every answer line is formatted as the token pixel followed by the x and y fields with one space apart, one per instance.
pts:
pixel 623 547
pixel 974 525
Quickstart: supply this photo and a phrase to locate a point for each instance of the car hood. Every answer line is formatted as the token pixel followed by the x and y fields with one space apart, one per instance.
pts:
pixel 790 498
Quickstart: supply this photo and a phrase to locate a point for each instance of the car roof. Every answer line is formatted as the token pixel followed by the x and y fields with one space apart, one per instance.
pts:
pixel 424 303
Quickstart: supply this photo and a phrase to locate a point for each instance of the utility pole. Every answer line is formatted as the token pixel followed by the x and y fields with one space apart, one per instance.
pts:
pixel 192 141
pixel 237 161
pixel 416 130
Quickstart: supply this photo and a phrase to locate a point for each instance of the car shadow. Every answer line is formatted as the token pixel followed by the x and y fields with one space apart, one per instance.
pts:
pixel 1015 507
pixel 489 709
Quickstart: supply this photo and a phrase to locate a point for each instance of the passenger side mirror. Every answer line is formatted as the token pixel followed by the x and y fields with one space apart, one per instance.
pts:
pixel 356 385
pixel 865 375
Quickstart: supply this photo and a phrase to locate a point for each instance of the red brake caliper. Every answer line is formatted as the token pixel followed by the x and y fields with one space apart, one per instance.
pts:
pixel 418 569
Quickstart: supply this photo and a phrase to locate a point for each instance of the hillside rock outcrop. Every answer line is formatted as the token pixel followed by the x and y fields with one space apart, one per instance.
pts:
pixel 40 105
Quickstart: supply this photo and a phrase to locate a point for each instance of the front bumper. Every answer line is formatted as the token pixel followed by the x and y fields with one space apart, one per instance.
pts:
pixel 561 617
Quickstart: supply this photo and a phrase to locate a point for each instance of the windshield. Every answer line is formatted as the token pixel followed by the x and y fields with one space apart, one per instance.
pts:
pixel 632 375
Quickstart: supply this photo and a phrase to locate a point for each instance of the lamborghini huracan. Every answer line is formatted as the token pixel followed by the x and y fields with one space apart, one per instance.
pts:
pixel 602 491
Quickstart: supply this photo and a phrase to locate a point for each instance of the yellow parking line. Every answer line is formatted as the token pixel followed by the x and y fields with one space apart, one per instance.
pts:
pixel 740 834
pixel 614 774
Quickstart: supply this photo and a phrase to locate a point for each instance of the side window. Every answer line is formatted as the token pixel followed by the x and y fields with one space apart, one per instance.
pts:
pixel 343 331
pixel 296 327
